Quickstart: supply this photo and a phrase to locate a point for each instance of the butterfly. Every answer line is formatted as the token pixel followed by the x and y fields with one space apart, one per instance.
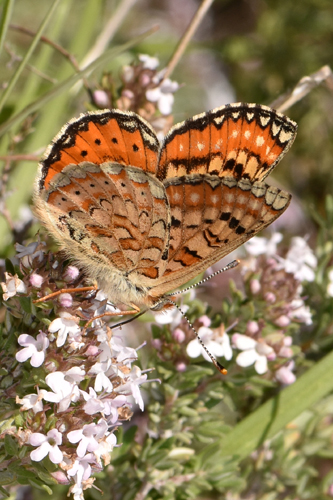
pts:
pixel 142 218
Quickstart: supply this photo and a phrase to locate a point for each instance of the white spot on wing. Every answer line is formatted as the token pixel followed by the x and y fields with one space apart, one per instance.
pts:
pixel 260 140
pixel 195 197
pixel 264 120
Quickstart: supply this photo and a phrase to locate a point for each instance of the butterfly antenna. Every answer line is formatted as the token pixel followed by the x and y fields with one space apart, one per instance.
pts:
pixel 130 319
pixel 217 365
pixel 231 265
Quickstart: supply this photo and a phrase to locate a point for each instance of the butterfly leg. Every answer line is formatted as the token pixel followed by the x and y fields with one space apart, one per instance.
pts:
pixel 65 290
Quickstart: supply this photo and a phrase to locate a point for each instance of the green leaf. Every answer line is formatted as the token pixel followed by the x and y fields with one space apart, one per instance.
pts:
pixel 27 56
pixel 7 477
pixel 10 446
pixel 6 14
pixel 276 413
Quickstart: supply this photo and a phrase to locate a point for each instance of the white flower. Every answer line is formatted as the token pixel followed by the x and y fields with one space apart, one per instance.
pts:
pixel 32 401
pixel 82 470
pixel 63 392
pixel 12 286
pixel 300 260
pixel 75 375
pixel 217 344
pixel 149 62
pixel 33 348
pixel 263 246
pixel 171 316
pixel 253 352
pixel 163 95
pixel 300 312
pixel 29 253
pixel 106 445
pixel 123 354
pixel 101 380
pixel 134 379
pixel 65 325
pixel 47 445
pixel 88 437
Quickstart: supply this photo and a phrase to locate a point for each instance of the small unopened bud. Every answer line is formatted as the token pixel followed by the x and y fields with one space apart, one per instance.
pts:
pixel 270 297
pixel 101 99
pixel 282 321
pixel 255 286
pixel 72 272
pixel 66 300
pixel 252 328
pixel 36 280
pixel 178 335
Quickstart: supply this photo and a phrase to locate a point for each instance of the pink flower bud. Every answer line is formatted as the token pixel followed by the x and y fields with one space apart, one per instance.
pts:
pixel 36 280
pixel 92 350
pixel 255 286
pixel 205 320
pixel 285 376
pixel 157 344
pixel 178 335
pixel 101 99
pixel 181 366
pixel 60 477
pixel 286 352
pixel 271 356
pixel 72 272
pixel 66 300
pixel 252 328
pixel 270 297
pixel 282 321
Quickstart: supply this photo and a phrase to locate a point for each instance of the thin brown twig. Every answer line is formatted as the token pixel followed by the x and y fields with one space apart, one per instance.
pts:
pixel 55 45
pixel 303 87
pixel 19 158
pixel 3 194
pixel 109 313
pixel 191 29
pixel 33 69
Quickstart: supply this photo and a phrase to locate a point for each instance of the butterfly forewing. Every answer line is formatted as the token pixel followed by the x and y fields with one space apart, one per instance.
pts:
pixel 99 137
pixel 239 140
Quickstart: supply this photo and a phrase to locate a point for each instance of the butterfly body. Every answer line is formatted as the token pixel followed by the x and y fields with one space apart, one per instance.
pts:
pixel 143 219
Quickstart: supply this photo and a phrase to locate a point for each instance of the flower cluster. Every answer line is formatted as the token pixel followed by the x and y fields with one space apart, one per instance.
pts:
pixel 273 283
pixel 78 371
pixel 265 341
pixel 143 90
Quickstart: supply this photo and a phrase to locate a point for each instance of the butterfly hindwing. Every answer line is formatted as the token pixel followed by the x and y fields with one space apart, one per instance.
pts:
pixel 229 213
